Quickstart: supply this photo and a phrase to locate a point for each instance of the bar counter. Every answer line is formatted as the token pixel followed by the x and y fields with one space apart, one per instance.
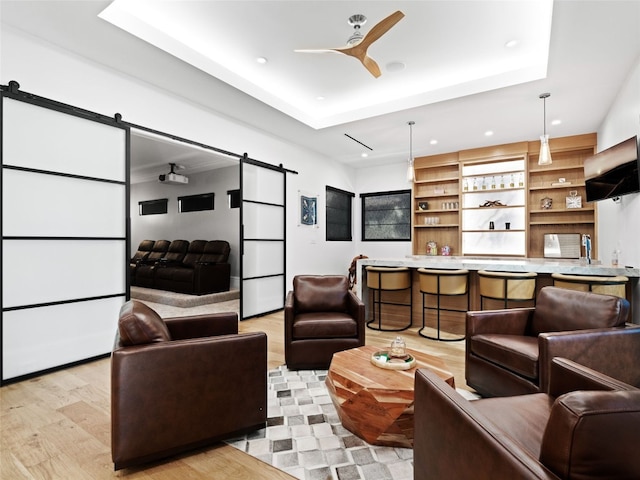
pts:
pixel 544 267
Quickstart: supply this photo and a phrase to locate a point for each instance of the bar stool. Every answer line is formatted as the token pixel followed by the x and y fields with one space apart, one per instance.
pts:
pixel 381 279
pixel 507 286
pixel 589 283
pixel 442 283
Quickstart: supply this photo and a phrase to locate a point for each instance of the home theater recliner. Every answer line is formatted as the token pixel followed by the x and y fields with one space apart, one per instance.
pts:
pixel 198 267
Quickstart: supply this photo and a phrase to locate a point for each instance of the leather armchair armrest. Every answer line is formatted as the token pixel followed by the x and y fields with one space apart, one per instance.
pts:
pixel 513 321
pixel 289 315
pixel 208 325
pixel 355 308
pixel 568 376
pixel 612 351
pixel 452 439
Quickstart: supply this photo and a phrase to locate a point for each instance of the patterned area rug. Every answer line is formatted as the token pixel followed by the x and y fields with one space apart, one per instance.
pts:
pixel 304 436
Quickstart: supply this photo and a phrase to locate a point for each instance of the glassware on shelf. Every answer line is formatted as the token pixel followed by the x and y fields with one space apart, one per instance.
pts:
pixel 484 183
pixel 502 181
pixel 475 184
pixel 465 186
pixel 493 182
pixel 521 180
pixel 512 183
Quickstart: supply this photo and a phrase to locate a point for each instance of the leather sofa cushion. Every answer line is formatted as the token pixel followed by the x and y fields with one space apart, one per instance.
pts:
pixel 517 353
pixel 559 309
pixel 523 418
pixel 593 435
pixel 324 325
pixel 320 293
pixel 216 251
pixel 138 324
pixel 195 251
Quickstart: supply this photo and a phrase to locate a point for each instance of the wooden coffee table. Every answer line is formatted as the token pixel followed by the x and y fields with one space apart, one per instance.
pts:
pixel 375 403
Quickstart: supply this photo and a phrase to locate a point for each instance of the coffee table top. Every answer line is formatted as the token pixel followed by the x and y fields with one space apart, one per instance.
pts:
pixel 355 365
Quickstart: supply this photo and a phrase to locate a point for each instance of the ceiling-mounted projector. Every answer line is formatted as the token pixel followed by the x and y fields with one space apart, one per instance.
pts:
pixel 174 178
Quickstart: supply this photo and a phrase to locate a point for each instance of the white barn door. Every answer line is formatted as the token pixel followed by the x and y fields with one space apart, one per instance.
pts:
pixel 263 238
pixel 64 233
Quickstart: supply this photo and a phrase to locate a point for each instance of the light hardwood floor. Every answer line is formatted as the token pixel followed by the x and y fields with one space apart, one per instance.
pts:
pixel 57 426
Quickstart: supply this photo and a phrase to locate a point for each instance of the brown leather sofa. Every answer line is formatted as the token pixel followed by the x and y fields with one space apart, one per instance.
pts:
pixel 508 352
pixel 197 267
pixel 585 428
pixel 148 253
pixel 321 317
pixel 182 383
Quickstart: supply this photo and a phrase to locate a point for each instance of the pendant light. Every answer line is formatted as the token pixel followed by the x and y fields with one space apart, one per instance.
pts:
pixel 545 154
pixel 410 170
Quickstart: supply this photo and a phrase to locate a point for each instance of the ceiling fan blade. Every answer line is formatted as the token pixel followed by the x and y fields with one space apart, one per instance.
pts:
pixel 318 50
pixel 380 28
pixel 359 50
pixel 371 65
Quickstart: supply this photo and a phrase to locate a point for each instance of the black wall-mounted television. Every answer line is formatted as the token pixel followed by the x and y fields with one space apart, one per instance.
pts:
pixel 613 172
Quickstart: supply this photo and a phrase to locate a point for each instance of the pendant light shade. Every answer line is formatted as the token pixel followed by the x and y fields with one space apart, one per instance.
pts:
pixel 545 154
pixel 410 170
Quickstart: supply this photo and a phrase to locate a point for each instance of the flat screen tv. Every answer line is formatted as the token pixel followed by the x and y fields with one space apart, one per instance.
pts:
pixel 613 172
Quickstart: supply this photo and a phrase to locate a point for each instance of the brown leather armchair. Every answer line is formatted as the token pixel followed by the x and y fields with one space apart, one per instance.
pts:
pixel 585 428
pixel 321 317
pixel 182 383
pixel 508 352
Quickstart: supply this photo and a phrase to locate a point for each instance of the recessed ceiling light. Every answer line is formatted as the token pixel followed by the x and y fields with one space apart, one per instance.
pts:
pixel 364 154
pixel 261 60
pixel 557 121
pixel 395 66
pixel 319 98
pixel 488 133
pixel 434 142
pixel 511 43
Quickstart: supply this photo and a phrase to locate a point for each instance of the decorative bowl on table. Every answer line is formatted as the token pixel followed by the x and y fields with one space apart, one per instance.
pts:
pixel 384 359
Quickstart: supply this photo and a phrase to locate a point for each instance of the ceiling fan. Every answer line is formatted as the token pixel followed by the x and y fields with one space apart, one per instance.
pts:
pixel 358 44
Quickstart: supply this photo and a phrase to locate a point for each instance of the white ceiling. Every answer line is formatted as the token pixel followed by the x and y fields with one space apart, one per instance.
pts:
pixel 459 80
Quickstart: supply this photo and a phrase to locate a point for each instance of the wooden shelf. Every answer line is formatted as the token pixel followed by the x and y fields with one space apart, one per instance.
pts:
pixel 569 222
pixel 562 168
pixel 438 210
pixel 436 180
pixel 497 230
pixel 563 210
pixel 571 186
pixel 493 208
pixel 438 225
pixel 436 195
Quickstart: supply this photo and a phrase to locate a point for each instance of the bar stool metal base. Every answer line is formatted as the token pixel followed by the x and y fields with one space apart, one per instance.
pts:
pixel 461 274
pixel 381 279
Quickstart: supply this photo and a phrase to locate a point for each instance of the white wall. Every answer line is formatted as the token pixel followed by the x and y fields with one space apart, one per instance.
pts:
pixel 222 223
pixel 51 72
pixel 619 223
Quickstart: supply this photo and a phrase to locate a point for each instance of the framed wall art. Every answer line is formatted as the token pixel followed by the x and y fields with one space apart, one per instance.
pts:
pixel 308 206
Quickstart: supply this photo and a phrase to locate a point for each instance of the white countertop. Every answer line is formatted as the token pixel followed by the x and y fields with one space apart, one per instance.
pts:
pixel 502 264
